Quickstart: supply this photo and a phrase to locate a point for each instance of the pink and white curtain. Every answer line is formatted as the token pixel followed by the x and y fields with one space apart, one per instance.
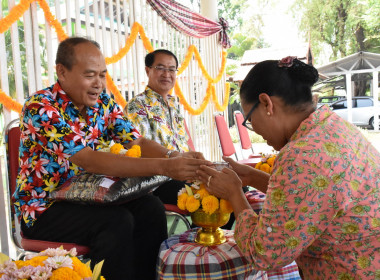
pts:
pixel 191 23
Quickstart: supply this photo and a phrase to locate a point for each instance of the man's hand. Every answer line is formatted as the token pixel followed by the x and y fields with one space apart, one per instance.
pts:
pixel 192 154
pixel 183 168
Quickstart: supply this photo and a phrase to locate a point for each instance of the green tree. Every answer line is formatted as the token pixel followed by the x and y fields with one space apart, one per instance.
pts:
pixel 347 26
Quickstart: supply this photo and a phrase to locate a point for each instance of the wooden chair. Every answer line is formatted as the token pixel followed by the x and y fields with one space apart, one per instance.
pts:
pixel 23 245
pixel 226 144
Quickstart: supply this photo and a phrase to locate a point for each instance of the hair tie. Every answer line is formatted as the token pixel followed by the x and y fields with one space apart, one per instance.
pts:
pixel 286 62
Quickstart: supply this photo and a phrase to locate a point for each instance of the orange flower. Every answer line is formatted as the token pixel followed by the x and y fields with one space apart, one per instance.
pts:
pixel 210 204
pixel 225 206
pixel 181 201
pixel 135 151
pixel 116 148
pixel 192 204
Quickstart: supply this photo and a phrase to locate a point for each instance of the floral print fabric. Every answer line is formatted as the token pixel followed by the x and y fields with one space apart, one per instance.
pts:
pixel 157 120
pixel 53 130
pixel 322 205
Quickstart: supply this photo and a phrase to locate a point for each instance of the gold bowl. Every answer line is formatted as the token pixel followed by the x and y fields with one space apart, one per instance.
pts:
pixel 209 233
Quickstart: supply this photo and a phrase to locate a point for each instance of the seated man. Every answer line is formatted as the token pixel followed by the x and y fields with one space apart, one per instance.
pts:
pixel 62 127
pixel 156 115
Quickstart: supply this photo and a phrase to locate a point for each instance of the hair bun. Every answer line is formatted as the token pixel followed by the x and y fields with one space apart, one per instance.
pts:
pixel 303 72
pixel 299 70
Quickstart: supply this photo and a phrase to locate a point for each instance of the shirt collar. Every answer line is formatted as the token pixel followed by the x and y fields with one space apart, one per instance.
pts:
pixel 152 94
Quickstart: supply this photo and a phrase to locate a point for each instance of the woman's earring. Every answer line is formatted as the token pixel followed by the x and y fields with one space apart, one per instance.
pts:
pixel 268 113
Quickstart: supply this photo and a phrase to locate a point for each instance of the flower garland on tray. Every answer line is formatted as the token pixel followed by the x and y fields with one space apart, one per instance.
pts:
pixel 266 163
pixel 51 264
pixel 194 197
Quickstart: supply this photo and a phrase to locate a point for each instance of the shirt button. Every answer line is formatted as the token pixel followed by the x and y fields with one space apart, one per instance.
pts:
pixel 269 229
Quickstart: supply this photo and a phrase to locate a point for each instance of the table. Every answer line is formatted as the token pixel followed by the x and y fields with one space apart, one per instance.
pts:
pixel 181 258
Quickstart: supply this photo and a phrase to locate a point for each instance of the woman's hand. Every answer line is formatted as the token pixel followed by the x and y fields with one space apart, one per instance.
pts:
pixel 249 175
pixel 223 184
pixel 183 168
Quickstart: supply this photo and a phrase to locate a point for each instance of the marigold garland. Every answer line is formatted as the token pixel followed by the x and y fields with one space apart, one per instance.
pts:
pixel 17 11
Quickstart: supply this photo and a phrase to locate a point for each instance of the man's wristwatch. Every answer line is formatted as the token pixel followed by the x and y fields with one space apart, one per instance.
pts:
pixel 167 155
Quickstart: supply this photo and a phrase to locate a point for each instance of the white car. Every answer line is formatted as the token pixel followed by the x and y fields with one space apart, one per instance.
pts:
pixel 363 111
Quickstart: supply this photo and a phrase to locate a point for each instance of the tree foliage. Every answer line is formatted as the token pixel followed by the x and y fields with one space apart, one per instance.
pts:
pixel 347 26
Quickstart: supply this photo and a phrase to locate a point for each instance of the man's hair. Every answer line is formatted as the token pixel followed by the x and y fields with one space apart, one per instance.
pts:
pixel 149 59
pixel 66 53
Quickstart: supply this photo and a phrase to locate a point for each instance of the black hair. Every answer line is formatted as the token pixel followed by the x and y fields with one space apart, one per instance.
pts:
pixel 291 83
pixel 149 59
pixel 65 52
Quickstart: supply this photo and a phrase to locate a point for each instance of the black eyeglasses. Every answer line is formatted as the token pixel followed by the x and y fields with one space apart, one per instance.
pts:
pixel 245 122
pixel 162 69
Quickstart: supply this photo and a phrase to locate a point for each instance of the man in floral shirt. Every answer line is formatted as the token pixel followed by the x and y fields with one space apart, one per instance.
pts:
pixel 62 127
pixel 155 113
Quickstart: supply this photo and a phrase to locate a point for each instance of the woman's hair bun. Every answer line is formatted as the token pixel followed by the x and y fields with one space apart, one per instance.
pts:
pixel 299 70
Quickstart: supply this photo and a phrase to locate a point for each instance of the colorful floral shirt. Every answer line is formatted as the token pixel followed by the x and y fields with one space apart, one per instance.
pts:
pixel 322 207
pixel 53 130
pixel 157 120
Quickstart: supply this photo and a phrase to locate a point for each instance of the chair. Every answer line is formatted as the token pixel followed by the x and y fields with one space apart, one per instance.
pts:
pixel 226 144
pixel 245 141
pixel 179 215
pixel 23 245
pixel 189 141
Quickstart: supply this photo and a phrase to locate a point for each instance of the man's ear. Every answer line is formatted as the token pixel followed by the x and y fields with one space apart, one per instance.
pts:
pixel 61 72
pixel 147 70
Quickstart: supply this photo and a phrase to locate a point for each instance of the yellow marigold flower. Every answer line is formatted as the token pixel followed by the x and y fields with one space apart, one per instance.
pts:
pixel 350 228
pixel 320 183
pixel 290 225
pixel 278 197
pixel 292 242
pixel 345 276
pixel 181 201
pixel 354 185
pixel 202 192
pixel 64 273
pixel 257 166
pixel 259 247
pixel 210 204
pixel 135 151
pixel 192 204
pixel 312 230
pixel 225 206
pixel 304 209
pixel 331 149
pixel 364 262
pixel 115 148
pixel 265 167
pixel 375 222
pixel 36 261
pixel 270 160
pixel 80 268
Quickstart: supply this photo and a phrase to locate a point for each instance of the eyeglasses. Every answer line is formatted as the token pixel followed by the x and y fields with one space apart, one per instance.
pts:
pixel 245 122
pixel 162 69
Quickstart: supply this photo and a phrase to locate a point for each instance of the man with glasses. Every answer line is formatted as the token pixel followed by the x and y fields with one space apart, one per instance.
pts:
pixel 156 115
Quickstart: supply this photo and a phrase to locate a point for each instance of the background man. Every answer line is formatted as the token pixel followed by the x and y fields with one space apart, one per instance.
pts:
pixel 62 127
pixel 156 115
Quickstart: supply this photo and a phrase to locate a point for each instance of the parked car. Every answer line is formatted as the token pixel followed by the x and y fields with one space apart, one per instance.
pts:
pixel 363 111
pixel 328 100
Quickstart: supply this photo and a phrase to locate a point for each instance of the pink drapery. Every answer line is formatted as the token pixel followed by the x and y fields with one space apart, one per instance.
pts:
pixel 191 23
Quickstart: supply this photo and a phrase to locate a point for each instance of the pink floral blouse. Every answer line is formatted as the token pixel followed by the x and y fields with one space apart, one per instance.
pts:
pixel 322 207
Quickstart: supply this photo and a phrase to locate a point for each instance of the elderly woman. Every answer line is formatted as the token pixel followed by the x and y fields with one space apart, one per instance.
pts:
pixel 323 196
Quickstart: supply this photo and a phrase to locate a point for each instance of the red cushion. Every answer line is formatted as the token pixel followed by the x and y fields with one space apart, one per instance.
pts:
pixel 174 208
pixel 243 132
pixel 39 245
